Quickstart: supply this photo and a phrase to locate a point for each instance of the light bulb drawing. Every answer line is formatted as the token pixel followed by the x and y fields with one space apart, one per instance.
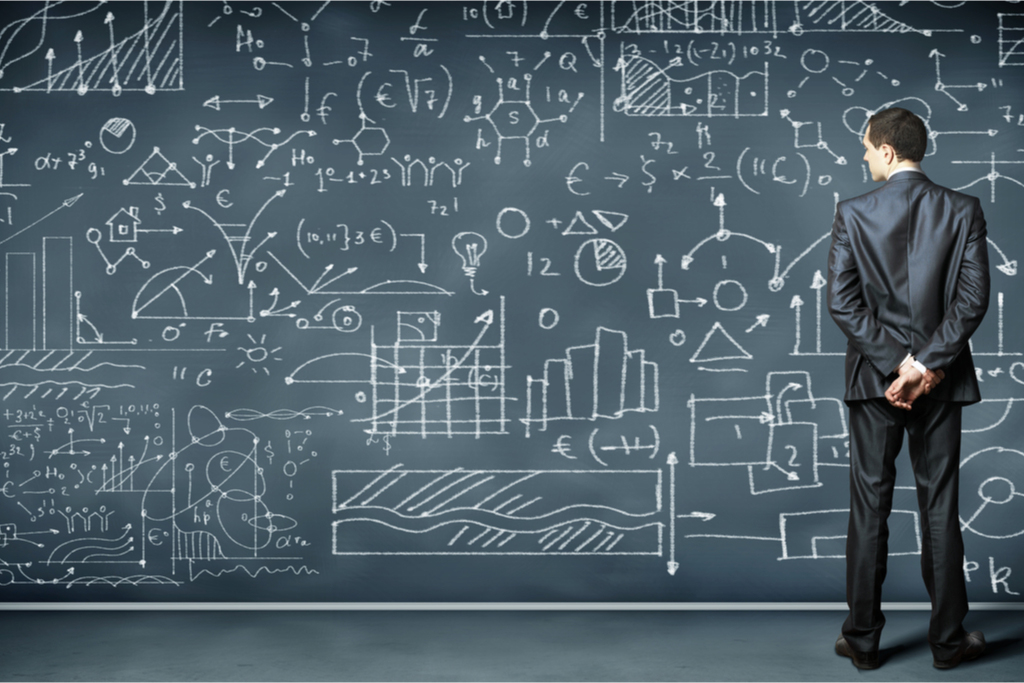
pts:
pixel 470 246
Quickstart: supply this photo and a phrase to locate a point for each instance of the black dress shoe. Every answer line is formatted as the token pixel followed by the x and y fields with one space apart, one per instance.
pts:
pixel 860 660
pixel 970 648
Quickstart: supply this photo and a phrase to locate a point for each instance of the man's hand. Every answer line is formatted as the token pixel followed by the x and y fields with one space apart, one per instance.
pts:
pixel 911 385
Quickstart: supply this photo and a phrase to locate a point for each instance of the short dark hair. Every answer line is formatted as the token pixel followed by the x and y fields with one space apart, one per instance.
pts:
pixel 902 130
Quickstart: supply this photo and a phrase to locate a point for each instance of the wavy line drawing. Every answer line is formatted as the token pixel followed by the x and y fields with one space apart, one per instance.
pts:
pixel 92 390
pixel 417 508
pixel 298 571
pixel 235 137
pixel 249 414
pixel 118 581
pixel 24 361
pixel 79 544
pixel 580 536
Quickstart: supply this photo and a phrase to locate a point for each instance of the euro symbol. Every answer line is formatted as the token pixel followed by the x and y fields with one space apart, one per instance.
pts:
pixel 571 179
pixel 223 201
pixel 563 448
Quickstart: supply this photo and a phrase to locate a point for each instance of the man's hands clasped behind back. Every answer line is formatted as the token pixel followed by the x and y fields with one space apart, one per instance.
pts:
pixel 911 385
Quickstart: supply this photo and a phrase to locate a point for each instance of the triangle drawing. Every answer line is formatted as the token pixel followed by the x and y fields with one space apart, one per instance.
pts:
pixel 613 220
pixel 585 229
pixel 157 170
pixel 722 347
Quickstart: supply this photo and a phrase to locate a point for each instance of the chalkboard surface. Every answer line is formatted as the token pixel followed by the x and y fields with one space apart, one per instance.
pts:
pixel 471 301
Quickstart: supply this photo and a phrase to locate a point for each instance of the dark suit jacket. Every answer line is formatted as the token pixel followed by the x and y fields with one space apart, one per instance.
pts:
pixel 908 273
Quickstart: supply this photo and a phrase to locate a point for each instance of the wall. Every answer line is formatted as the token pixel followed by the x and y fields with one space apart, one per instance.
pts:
pixel 471 301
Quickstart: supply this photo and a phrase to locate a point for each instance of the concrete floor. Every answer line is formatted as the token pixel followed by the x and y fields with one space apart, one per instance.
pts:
pixel 479 646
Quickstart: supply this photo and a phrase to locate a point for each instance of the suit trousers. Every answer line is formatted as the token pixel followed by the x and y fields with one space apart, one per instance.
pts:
pixel 876 436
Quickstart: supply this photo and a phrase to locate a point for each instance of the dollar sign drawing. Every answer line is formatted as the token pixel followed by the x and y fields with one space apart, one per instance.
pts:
pixel 160 200
pixel 650 183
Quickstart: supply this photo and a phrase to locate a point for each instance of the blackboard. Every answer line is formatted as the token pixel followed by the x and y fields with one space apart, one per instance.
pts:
pixel 471 301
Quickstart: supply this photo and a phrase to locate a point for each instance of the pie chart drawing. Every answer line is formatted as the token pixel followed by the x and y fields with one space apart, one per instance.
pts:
pixel 117 135
pixel 600 262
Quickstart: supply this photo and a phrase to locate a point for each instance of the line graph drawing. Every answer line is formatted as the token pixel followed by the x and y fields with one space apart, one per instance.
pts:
pixel 148 58
pixel 1011 39
pixel 992 176
pixel 497 512
pixel 431 388
pixel 422 386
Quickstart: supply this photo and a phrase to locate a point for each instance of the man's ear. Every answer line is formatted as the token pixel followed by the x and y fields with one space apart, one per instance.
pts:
pixel 888 153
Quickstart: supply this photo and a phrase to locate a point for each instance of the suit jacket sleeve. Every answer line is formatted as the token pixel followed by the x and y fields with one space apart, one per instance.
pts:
pixel 968 307
pixel 848 309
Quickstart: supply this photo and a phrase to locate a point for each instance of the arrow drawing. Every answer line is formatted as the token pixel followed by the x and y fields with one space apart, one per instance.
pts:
pixel 67 203
pixel 214 102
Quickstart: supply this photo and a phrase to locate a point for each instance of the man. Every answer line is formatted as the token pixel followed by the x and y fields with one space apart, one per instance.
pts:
pixel 908 284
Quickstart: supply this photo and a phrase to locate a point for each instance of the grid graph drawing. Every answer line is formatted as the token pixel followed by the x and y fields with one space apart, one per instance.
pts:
pixel 422 387
pixel 1011 40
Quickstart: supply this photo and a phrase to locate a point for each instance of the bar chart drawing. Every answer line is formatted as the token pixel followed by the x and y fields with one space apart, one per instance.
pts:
pixel 37 297
pixel 605 379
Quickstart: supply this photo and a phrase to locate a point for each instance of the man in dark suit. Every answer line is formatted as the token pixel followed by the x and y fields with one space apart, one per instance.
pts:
pixel 908 284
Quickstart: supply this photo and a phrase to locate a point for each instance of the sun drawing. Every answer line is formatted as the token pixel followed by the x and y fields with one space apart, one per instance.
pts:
pixel 258 354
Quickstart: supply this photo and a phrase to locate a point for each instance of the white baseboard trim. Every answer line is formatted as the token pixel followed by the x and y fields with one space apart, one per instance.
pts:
pixel 482 606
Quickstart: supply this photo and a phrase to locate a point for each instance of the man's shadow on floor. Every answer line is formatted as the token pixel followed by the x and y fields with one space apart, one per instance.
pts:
pixel 1004 648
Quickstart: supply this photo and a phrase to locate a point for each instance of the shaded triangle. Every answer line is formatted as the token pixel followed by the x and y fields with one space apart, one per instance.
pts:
pixel 612 220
